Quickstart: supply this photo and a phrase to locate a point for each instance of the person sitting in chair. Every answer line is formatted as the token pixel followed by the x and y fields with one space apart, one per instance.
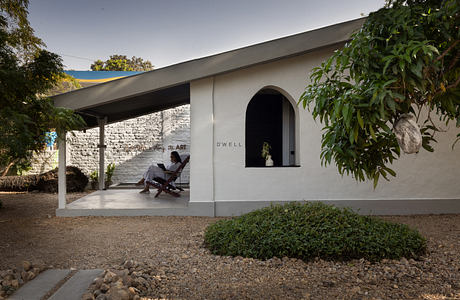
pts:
pixel 155 171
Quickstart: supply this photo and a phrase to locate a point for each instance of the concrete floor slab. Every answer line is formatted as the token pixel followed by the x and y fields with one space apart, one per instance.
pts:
pixel 76 286
pixel 128 199
pixel 129 202
pixel 37 288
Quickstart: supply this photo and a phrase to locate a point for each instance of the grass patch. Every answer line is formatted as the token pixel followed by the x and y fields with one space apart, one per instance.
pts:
pixel 310 230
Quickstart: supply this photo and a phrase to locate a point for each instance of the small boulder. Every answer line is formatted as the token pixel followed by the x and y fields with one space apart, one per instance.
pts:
pixel 110 277
pixel 87 296
pixel 118 294
pixel 26 265
pixel 15 283
pixel 104 288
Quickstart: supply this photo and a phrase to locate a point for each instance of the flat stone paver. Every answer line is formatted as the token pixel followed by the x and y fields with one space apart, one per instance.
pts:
pixel 76 286
pixel 38 287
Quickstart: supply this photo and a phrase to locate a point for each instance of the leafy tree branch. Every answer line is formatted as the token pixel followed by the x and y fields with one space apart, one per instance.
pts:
pixel 405 59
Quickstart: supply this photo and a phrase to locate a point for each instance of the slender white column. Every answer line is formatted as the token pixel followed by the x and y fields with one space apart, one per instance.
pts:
pixel 102 147
pixel 62 187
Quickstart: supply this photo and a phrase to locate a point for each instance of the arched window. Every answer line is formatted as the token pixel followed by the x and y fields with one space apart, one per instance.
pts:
pixel 270 118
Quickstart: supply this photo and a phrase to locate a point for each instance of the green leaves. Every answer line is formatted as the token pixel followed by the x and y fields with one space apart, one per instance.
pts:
pixel 26 116
pixel 122 63
pixel 404 59
pixel 311 230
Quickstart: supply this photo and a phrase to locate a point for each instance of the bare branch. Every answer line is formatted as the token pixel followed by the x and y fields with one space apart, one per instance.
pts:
pixel 447 50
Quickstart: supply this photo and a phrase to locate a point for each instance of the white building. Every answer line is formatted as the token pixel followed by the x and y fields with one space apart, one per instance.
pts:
pixel 241 98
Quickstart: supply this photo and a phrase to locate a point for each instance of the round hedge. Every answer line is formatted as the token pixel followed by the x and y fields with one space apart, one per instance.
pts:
pixel 310 230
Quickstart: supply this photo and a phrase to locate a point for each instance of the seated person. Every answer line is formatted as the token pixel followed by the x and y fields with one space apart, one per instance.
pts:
pixel 155 171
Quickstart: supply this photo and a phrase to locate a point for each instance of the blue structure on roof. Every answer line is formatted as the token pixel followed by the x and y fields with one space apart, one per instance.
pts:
pixel 97 75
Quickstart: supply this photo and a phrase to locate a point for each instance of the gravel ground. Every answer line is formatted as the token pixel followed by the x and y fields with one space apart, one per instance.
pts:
pixel 168 253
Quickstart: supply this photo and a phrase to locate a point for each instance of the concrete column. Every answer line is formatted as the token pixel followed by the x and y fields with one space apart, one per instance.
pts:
pixel 202 140
pixel 102 147
pixel 62 186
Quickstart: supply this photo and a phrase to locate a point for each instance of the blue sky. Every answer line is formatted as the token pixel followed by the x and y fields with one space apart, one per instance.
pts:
pixel 168 32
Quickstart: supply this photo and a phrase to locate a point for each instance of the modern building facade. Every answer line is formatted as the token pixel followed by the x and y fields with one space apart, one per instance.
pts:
pixel 243 98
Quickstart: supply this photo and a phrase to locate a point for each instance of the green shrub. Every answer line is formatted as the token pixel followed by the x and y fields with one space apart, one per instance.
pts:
pixel 310 230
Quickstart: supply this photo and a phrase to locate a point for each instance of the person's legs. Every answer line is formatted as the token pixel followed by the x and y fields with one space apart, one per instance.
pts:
pixel 152 172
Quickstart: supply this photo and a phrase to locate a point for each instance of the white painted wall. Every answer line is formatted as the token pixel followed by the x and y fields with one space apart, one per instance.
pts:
pixel 218 108
pixel 201 141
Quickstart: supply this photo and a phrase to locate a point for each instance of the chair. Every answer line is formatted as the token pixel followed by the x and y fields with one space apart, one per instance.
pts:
pixel 164 185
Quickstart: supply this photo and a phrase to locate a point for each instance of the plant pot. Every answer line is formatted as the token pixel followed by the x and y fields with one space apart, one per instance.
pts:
pixel 94 185
pixel 269 161
pixel 108 184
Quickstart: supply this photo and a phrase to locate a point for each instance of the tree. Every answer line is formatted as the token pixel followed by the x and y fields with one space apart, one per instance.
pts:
pixel 403 62
pixel 27 72
pixel 122 63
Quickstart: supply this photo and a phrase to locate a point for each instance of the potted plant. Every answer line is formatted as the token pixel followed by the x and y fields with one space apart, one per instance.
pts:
pixel 109 173
pixel 266 154
pixel 94 179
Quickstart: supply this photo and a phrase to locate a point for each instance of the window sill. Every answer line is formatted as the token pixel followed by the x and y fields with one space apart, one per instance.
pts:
pixel 274 167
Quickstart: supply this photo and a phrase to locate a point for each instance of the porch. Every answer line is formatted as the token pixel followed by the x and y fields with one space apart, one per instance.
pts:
pixel 126 201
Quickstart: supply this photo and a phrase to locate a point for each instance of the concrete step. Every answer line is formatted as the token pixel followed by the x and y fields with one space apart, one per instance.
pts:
pixel 76 286
pixel 72 289
pixel 38 287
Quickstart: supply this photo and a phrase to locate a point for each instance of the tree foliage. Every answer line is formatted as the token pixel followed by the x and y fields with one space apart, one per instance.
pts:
pixel 404 60
pixel 122 63
pixel 25 115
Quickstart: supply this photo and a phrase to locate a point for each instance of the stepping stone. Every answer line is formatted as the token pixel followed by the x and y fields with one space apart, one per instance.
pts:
pixel 76 286
pixel 37 288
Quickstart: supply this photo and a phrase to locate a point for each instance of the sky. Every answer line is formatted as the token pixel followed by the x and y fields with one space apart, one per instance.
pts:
pixel 167 32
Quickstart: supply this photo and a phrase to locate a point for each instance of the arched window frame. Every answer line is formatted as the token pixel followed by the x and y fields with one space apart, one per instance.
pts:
pixel 294 106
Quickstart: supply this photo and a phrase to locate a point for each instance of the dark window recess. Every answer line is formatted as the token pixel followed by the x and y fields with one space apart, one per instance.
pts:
pixel 264 123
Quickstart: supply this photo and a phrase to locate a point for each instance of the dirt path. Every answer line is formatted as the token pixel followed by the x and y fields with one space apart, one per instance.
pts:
pixel 172 248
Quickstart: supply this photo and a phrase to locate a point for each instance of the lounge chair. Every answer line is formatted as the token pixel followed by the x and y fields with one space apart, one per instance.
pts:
pixel 165 185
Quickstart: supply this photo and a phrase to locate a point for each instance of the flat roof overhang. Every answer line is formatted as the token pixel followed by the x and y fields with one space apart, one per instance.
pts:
pixel 138 105
pixel 169 87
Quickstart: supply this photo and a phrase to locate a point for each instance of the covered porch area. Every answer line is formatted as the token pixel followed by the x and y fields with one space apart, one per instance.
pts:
pixel 127 201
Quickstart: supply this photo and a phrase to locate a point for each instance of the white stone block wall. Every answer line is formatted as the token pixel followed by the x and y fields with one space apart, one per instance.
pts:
pixel 132 145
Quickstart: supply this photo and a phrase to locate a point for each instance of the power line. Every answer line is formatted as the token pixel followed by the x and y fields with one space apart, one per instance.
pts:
pixel 78 57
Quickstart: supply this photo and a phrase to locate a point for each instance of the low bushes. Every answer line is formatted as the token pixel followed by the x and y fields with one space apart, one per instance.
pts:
pixel 310 230
pixel 47 182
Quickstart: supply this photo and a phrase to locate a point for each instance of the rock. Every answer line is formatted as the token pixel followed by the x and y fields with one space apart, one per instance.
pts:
pixel 404 261
pixel 87 296
pixel 97 282
pixel 8 277
pixel 128 264
pixel 31 275
pixel 118 284
pixel 26 265
pixel 6 282
pixel 25 276
pixel 110 277
pixel 97 293
pixel 104 288
pixel 118 294
pixel 15 283
pixel 101 297
pixel 133 291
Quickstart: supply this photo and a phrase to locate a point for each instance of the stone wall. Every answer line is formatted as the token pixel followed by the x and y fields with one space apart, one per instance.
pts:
pixel 132 145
